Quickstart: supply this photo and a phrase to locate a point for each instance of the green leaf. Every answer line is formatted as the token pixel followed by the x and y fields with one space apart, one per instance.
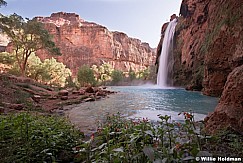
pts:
pixel 149 152
pixel 149 132
pixel 102 145
pixel 188 158
pixel 118 150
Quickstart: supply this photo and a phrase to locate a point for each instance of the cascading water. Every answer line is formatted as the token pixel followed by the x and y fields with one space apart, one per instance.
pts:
pixel 164 62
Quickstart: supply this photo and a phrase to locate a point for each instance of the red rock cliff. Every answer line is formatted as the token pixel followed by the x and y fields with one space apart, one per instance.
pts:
pixel 209 44
pixel 209 56
pixel 83 42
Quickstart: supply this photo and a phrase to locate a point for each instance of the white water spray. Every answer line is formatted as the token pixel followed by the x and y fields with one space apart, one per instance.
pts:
pixel 162 77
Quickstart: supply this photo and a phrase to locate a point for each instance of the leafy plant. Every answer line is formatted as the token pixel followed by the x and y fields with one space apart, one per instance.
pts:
pixel 7 58
pixel 27 36
pixel 131 74
pixel 116 76
pixel 86 76
pixel 36 138
pixel 103 73
pixel 138 140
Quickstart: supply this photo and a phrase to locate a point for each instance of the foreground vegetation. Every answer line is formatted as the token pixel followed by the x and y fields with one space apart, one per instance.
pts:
pixel 32 137
pixel 27 137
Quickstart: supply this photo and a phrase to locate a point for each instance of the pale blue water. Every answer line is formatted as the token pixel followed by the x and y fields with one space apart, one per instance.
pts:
pixel 145 101
pixel 141 102
pixel 149 101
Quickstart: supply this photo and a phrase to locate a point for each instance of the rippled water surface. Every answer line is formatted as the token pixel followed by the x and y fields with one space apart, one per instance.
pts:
pixel 143 101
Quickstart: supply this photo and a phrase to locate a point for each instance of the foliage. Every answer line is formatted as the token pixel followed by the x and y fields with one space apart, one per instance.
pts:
pixel 116 76
pixel 122 140
pixel 55 73
pixel 131 74
pixel 38 138
pixel 7 58
pixel 3 3
pixel 49 71
pixel 102 72
pixel 143 74
pixel 70 82
pixel 27 36
pixel 152 73
pixel 86 76
pixel 31 138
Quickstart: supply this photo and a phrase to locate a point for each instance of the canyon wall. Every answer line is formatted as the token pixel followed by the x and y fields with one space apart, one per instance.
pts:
pixel 208 57
pixel 83 42
pixel 209 44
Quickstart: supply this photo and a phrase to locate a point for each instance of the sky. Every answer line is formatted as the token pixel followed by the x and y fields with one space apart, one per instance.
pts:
pixel 141 19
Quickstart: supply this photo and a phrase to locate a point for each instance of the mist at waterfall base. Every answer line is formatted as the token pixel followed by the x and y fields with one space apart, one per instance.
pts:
pixel 166 57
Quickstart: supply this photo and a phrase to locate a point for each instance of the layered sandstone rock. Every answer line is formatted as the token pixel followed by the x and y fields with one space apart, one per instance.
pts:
pixel 229 111
pixel 209 40
pixel 83 42
pixel 208 52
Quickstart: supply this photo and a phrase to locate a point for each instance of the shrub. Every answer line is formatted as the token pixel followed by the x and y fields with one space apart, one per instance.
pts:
pixel 132 75
pixel 116 76
pixel 31 138
pixel 7 58
pixel 137 140
pixel 86 76
pixel 103 73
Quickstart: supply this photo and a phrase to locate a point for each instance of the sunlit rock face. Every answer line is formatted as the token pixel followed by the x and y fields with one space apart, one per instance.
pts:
pixel 83 42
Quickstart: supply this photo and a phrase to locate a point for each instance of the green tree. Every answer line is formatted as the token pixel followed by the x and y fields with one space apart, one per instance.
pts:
pixel 144 74
pixel 55 73
pixel 3 3
pixel 152 73
pixel 49 71
pixel 7 58
pixel 117 76
pixel 132 74
pixel 86 76
pixel 102 72
pixel 26 36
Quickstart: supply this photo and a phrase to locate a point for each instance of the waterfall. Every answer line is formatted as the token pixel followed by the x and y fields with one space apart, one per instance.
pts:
pixel 165 66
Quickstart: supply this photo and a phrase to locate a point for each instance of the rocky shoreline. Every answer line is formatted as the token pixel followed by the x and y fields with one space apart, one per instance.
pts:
pixel 23 94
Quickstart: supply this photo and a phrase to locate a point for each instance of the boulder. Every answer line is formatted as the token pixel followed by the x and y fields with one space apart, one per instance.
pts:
pixel 63 93
pixel 229 111
pixel 90 90
pixel 100 93
pixel 36 98
pixel 75 92
pixel 64 97
pixel 89 99
pixel 81 92
pixel 16 106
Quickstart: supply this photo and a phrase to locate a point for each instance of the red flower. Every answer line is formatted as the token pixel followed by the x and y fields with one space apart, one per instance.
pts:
pixel 188 116
pixel 92 136
pixel 178 146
